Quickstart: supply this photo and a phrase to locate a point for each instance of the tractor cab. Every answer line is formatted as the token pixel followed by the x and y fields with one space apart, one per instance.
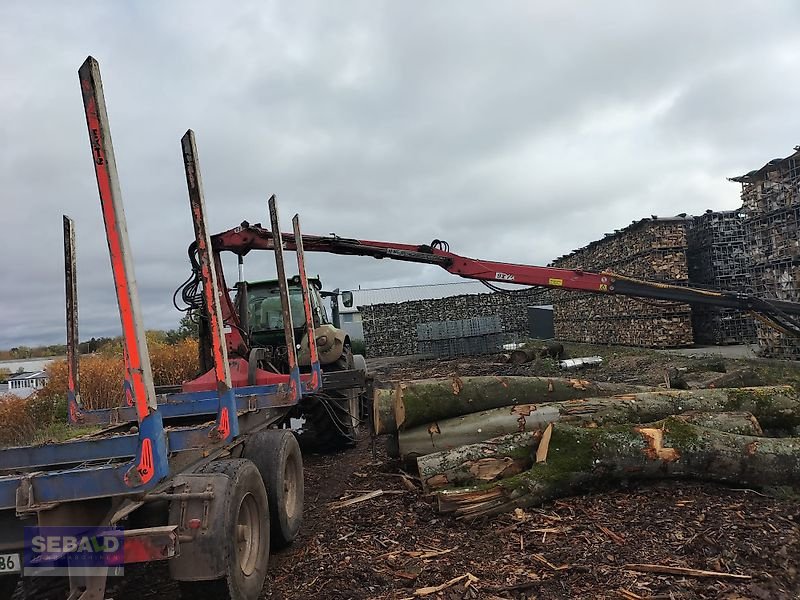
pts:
pixel 259 303
pixel 264 315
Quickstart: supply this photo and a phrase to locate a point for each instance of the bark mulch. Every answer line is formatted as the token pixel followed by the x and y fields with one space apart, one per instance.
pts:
pixel 395 545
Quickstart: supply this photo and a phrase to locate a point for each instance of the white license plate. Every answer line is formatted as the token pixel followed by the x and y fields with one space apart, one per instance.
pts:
pixel 10 563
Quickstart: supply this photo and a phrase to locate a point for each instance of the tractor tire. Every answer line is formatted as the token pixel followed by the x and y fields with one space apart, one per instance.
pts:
pixel 243 537
pixel 276 455
pixel 334 418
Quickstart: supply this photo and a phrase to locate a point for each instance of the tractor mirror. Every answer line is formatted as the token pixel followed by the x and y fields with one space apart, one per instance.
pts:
pixel 347 299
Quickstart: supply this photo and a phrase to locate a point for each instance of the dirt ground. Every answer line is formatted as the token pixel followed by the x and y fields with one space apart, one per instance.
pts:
pixel 395 545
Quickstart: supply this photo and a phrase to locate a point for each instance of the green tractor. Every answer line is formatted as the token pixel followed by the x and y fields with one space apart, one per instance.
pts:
pixel 332 416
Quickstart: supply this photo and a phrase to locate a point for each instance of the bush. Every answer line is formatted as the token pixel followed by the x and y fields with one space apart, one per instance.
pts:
pixel 17 425
pixel 101 375
pixel 101 383
pixel 174 363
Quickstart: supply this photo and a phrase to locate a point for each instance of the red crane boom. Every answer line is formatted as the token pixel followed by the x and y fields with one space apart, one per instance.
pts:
pixel 777 313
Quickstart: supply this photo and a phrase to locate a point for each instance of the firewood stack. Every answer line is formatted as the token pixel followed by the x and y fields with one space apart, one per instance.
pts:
pixel 719 258
pixel 654 249
pixel 771 200
pixel 391 329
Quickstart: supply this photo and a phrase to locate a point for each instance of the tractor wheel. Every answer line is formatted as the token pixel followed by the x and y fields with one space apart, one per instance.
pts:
pixel 243 536
pixel 276 454
pixel 334 418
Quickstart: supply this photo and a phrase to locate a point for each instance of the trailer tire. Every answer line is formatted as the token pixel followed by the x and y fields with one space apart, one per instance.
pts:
pixel 276 454
pixel 243 537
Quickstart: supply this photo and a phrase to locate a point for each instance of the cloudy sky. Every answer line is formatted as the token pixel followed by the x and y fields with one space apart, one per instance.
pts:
pixel 515 130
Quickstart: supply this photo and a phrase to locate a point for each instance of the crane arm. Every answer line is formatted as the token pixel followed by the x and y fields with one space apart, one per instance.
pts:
pixel 778 313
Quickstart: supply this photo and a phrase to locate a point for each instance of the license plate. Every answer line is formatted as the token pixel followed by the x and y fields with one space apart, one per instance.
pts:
pixel 10 563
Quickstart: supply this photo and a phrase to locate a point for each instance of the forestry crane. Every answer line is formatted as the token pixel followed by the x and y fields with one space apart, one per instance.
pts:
pixel 780 314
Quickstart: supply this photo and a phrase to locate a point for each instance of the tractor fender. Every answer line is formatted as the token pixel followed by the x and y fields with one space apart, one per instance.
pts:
pixel 330 345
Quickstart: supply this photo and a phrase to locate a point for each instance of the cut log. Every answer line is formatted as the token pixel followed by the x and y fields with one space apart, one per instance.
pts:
pixel 743 423
pixel 523 355
pixel 476 463
pixel 582 457
pixel 533 351
pixel 383 411
pixel 424 401
pixel 737 378
pixel 675 380
pixel 509 454
pixel 775 407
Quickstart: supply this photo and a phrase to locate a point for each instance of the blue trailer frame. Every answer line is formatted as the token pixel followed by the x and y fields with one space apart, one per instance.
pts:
pixel 132 463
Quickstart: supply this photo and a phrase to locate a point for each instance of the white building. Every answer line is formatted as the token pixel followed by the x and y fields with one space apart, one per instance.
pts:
pixel 24 384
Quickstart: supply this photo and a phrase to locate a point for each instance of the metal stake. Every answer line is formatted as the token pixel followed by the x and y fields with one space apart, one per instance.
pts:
pixel 74 404
pixel 227 418
pixel 139 370
pixel 316 371
pixel 288 326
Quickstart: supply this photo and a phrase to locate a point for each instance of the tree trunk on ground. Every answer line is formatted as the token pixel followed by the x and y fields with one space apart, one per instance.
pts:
pixel 739 422
pixel 533 351
pixel 774 407
pixel 475 463
pixel 424 401
pixel 510 454
pixel 522 355
pixel 737 378
pixel 383 411
pixel 675 380
pixel 581 457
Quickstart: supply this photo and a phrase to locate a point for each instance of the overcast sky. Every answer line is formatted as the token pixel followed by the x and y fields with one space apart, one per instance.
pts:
pixel 514 130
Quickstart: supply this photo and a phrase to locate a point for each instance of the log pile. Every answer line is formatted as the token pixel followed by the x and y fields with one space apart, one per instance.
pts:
pixel 653 249
pixel 391 329
pixel 485 445
pixel 771 200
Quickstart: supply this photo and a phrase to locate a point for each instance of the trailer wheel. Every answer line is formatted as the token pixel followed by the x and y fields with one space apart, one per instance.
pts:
pixel 277 456
pixel 243 537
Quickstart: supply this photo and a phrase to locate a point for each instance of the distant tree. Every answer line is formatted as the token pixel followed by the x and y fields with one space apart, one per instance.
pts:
pixel 156 336
pixel 187 329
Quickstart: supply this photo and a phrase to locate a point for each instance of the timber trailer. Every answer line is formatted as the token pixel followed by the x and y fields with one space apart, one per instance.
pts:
pixel 201 477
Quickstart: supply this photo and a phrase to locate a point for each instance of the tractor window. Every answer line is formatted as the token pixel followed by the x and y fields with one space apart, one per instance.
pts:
pixel 264 308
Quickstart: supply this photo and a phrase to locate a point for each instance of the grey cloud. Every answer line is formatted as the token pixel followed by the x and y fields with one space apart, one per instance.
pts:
pixel 517 131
